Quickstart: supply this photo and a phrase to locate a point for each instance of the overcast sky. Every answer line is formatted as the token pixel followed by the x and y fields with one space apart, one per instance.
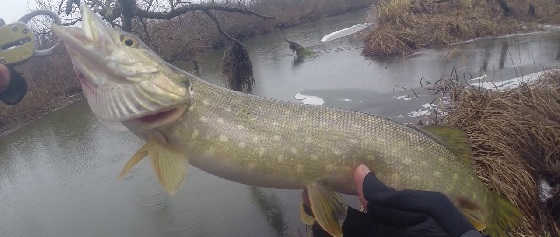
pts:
pixel 11 10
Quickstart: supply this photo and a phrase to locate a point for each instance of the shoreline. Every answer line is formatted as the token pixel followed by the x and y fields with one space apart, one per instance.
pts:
pixel 57 104
pixel 403 26
pixel 52 85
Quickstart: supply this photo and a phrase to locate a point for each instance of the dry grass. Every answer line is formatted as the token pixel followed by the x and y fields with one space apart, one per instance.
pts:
pixel 404 26
pixel 515 137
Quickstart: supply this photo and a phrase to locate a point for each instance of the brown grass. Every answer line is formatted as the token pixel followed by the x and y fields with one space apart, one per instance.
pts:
pixel 404 26
pixel 515 137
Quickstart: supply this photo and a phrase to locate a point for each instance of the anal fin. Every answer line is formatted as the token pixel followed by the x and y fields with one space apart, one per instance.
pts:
pixel 327 207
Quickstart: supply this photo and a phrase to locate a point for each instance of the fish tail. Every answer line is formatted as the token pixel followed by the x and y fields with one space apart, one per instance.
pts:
pixel 503 216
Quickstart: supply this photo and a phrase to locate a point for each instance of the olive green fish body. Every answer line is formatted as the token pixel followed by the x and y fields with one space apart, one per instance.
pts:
pixel 270 143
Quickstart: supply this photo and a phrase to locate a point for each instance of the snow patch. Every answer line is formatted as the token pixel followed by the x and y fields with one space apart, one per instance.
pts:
pixel 480 78
pixel 545 191
pixel 309 99
pixel 424 111
pixel 508 84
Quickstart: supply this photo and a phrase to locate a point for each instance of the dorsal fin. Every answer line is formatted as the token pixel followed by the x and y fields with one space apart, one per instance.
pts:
pixel 454 139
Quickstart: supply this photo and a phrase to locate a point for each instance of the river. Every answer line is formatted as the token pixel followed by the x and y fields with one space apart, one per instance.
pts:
pixel 58 175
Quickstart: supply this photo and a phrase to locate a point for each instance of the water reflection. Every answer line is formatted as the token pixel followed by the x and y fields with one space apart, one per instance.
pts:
pixel 503 54
pixel 272 211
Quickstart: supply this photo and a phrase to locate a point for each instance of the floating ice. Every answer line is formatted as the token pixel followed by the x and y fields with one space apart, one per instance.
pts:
pixel 309 99
pixel 402 97
pixel 344 32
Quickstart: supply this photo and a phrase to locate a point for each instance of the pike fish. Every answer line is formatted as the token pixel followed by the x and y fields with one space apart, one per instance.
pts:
pixel 265 142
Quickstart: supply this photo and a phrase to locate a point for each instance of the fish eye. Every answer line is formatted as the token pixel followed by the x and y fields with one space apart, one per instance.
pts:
pixel 130 42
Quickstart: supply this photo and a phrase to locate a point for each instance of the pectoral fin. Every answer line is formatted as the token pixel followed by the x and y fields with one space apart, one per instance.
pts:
pixel 327 207
pixel 168 164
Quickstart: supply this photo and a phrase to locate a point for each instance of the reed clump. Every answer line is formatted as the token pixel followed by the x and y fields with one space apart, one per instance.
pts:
pixel 404 26
pixel 515 137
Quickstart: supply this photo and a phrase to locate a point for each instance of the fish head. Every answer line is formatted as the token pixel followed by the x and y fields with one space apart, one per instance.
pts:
pixel 123 80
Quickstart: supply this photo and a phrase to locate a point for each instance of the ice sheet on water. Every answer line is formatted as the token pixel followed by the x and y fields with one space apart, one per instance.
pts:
pixel 402 97
pixel 344 32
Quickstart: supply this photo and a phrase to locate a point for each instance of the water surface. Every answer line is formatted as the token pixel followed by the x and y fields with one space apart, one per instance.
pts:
pixel 58 176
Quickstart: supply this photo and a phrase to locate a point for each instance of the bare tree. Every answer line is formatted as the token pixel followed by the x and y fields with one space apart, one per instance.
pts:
pixel 122 12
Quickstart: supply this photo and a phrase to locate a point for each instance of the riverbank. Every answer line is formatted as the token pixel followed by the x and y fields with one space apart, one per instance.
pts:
pixel 182 38
pixel 514 134
pixel 404 26
pixel 51 79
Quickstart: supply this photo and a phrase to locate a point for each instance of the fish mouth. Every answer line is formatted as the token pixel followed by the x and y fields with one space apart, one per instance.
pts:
pixel 93 40
pixel 158 119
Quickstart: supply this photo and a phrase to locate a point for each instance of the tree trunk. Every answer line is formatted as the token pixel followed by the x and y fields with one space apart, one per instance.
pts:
pixel 128 12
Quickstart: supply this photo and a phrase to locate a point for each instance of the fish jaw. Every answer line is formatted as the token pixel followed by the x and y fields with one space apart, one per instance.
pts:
pixel 122 79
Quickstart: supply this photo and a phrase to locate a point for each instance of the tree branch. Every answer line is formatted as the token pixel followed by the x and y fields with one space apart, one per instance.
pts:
pixel 215 20
pixel 196 7
pixel 71 23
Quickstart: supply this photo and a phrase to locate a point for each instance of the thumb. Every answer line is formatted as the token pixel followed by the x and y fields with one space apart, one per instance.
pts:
pixel 360 174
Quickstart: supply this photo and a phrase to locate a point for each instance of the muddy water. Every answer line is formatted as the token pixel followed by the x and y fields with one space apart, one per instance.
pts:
pixel 58 175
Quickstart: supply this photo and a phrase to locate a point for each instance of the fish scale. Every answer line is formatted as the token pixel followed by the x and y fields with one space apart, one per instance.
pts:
pixel 330 129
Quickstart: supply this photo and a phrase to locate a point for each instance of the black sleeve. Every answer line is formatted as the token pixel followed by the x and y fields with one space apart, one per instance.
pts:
pixel 357 223
pixel 16 89
pixel 434 204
